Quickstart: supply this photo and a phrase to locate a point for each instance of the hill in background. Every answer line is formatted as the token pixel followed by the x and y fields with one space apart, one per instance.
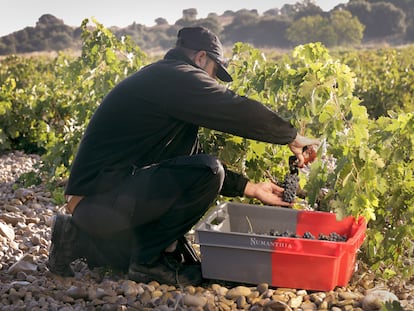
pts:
pixel 350 24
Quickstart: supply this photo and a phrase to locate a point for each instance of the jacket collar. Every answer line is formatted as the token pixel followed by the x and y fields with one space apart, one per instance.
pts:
pixel 177 54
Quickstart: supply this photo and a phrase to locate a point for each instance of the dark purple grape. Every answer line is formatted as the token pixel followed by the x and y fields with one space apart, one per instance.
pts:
pixel 333 236
pixel 290 185
pixel 323 237
pixel 308 235
pixel 285 234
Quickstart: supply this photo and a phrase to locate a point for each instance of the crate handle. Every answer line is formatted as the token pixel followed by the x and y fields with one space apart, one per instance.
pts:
pixel 215 219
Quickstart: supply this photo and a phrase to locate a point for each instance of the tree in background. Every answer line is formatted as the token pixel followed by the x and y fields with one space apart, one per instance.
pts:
pixel 240 29
pixel 190 14
pixel 348 29
pixel 340 28
pixel 190 19
pixel 383 20
pixel 407 6
pixel 135 31
pixel 271 32
pixel 393 18
pixel 306 8
pixel 8 45
pixel 50 34
pixel 161 21
pixel 261 31
pixel 312 29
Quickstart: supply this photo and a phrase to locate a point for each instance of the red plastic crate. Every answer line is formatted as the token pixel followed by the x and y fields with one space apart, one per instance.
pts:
pixel 235 246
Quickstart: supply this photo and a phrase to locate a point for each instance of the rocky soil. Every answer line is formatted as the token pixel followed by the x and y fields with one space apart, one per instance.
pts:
pixel 26 284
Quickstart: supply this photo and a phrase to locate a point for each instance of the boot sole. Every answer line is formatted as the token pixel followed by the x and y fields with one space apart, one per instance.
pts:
pixel 139 277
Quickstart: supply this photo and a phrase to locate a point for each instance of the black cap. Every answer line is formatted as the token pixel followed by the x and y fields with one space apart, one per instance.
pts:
pixel 202 39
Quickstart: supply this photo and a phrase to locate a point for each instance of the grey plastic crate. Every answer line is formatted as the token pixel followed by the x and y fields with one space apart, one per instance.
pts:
pixel 235 245
pixel 233 241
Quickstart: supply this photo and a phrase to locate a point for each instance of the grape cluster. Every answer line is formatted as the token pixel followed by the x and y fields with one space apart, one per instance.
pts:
pixel 333 236
pixel 285 234
pixel 290 184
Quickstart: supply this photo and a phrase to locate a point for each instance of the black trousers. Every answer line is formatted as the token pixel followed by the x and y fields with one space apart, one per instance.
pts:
pixel 151 208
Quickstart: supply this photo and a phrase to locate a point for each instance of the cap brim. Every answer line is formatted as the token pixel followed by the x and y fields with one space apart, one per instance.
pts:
pixel 222 73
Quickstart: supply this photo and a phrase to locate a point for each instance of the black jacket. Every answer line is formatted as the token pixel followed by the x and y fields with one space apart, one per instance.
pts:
pixel 155 114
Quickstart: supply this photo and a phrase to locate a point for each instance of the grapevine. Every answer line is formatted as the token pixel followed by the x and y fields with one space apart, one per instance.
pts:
pixel 45 104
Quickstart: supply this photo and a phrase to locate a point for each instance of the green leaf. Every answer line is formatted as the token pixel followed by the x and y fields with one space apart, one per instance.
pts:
pixel 5 106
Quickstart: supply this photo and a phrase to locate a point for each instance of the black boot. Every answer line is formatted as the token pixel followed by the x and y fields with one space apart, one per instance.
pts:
pixel 179 267
pixel 70 243
pixel 166 270
pixel 62 249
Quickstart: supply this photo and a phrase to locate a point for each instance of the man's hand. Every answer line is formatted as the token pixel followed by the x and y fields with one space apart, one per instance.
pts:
pixel 267 192
pixel 297 145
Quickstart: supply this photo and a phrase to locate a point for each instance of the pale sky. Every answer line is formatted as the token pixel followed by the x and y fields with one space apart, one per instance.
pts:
pixel 18 14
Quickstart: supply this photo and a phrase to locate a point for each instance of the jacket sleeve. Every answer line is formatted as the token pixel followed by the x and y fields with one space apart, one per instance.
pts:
pixel 233 184
pixel 209 104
